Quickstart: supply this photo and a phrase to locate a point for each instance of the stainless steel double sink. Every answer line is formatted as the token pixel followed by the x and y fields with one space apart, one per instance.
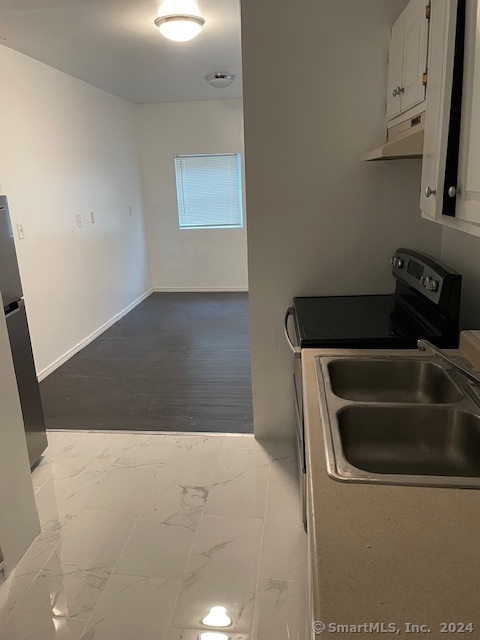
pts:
pixel 399 420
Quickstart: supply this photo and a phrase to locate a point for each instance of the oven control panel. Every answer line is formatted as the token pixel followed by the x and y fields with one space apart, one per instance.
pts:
pixel 422 272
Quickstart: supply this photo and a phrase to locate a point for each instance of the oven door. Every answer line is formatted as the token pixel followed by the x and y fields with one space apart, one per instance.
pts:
pixel 302 470
pixel 298 404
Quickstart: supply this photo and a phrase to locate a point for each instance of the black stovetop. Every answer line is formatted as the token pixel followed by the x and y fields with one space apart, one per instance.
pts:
pixel 426 304
pixel 374 321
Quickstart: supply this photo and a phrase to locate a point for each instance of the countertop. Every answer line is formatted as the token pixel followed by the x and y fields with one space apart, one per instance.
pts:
pixel 391 554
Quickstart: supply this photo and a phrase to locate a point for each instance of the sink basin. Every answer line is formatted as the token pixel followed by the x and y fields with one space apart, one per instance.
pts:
pixel 382 380
pixel 432 441
pixel 399 420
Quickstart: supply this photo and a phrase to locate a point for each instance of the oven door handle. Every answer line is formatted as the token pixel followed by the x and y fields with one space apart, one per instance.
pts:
pixel 296 350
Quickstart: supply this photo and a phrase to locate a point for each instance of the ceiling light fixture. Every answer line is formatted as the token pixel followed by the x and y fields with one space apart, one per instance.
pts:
pixel 220 80
pixel 180 27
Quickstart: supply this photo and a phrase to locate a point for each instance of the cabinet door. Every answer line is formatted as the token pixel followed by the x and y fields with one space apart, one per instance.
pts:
pixel 468 200
pixel 395 63
pixel 443 22
pixel 415 47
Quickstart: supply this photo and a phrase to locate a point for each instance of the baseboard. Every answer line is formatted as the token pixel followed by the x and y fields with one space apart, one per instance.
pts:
pixel 198 289
pixel 78 347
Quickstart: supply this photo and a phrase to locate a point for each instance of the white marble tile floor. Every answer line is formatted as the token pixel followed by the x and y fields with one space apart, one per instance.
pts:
pixel 143 534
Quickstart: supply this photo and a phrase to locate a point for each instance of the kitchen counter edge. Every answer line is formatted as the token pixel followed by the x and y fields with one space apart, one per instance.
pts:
pixel 384 554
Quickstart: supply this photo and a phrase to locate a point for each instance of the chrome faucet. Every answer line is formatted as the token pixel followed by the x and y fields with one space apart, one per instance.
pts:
pixel 424 345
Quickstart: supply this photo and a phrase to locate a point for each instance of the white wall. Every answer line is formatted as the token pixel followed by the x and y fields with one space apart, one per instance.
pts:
pixel 319 220
pixel 67 149
pixel 462 252
pixel 213 259
pixel 19 523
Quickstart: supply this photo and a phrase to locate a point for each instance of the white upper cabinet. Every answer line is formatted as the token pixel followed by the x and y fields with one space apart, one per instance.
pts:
pixel 408 54
pixel 395 67
pixel 468 179
pixel 440 75
pixel 415 54
pixel 451 160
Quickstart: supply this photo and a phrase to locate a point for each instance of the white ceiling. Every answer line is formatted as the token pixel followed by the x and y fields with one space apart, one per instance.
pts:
pixel 114 45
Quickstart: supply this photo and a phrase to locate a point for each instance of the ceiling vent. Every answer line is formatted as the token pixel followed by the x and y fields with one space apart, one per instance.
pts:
pixel 220 80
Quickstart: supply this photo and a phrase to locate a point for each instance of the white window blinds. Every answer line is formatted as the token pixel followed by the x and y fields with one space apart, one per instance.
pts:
pixel 209 191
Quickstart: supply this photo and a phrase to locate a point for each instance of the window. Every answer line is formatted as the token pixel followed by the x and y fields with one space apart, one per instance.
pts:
pixel 209 191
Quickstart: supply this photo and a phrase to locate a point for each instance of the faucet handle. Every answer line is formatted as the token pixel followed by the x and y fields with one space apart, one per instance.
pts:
pixel 473 376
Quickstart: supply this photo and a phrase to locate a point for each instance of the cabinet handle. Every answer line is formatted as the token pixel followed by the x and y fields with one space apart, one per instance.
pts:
pixel 429 192
pixel 453 192
pixel 395 92
pixel 400 90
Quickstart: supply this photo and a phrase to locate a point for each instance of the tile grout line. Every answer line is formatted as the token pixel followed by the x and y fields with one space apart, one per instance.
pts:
pixel 209 434
pixel 257 581
pixel 37 488
pixel 14 608
pixel 69 459
pixel 127 541
pixel 144 505
pixel 169 626
pixel 181 580
pixel 61 461
pixel 112 573
pixel 67 453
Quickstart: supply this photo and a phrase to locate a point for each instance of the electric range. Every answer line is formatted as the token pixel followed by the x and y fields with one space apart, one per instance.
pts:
pixel 425 304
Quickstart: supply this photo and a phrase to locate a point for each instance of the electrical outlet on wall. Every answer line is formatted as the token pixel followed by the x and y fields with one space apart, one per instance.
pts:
pixel 92 217
pixel 130 211
pixel 78 218
pixel 20 231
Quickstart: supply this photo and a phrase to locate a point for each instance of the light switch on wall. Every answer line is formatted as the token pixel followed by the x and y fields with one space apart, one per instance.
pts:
pixel 92 217
pixel 78 218
pixel 20 231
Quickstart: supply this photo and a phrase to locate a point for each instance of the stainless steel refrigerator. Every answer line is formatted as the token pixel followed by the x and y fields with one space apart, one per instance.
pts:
pixel 19 335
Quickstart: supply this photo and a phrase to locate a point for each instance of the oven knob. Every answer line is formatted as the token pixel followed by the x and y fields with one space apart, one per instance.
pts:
pixel 429 283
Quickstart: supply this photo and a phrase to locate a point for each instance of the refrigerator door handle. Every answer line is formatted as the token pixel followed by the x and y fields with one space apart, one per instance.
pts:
pixel 28 389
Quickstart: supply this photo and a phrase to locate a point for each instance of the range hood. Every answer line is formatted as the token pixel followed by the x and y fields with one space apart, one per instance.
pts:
pixel 404 140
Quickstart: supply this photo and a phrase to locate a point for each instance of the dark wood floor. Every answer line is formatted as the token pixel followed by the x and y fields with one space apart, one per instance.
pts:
pixel 177 362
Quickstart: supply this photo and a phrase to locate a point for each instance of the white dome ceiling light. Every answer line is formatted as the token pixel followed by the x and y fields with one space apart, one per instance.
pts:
pixel 180 27
pixel 220 80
